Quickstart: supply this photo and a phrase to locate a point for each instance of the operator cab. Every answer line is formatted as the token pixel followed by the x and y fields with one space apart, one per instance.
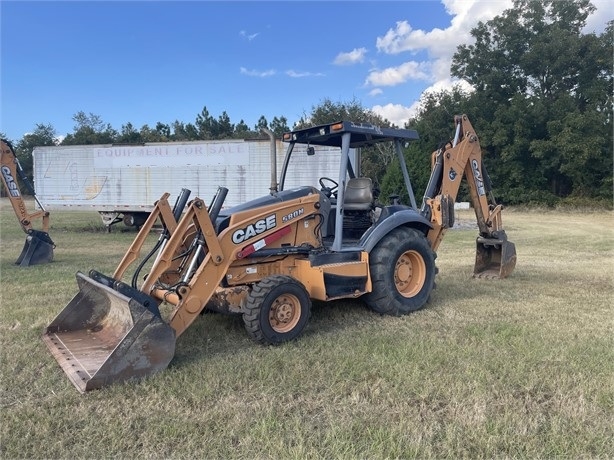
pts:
pixel 334 150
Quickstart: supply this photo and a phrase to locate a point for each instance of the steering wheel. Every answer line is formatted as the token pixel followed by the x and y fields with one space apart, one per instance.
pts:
pixel 328 191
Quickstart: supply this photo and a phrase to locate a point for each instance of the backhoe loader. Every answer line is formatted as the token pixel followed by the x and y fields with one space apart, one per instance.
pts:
pixel 38 248
pixel 268 258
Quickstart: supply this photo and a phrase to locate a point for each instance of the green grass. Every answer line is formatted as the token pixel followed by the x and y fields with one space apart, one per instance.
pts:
pixel 521 367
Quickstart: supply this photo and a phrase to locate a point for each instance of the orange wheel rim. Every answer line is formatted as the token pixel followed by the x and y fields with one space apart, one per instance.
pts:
pixel 285 313
pixel 409 273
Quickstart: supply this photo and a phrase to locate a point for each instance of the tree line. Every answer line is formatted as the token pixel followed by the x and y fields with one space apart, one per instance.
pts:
pixel 541 104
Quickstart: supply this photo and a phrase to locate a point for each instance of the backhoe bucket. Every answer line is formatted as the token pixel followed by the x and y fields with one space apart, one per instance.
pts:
pixel 37 250
pixel 494 257
pixel 104 336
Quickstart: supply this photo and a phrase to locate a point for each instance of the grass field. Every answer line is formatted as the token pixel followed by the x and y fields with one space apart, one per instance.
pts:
pixel 522 367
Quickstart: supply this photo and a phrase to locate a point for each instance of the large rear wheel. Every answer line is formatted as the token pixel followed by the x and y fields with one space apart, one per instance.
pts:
pixel 403 271
pixel 277 310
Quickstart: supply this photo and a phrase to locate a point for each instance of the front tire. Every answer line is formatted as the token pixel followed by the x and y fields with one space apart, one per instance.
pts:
pixel 403 271
pixel 277 310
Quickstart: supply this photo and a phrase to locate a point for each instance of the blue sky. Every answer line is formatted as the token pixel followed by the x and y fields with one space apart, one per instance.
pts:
pixel 147 62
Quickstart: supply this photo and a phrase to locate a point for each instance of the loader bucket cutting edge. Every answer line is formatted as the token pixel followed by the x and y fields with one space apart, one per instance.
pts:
pixel 38 249
pixel 103 337
pixel 494 258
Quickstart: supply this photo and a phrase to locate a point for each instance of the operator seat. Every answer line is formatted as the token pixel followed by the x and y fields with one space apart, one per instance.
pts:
pixel 358 194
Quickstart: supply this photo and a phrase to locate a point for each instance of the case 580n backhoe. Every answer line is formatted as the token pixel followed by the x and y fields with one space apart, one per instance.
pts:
pixel 38 248
pixel 268 258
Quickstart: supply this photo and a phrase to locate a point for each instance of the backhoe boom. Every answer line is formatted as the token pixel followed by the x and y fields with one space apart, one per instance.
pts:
pixel 495 255
pixel 39 247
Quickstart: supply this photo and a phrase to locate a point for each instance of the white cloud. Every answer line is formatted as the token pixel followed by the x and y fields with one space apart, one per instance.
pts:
pixel 400 114
pixel 437 42
pixel 397 114
pixel 439 46
pixel 393 76
pixel 597 21
pixel 258 73
pixel 249 37
pixel 375 92
pixel 391 43
pixel 467 13
pixel 447 84
pixel 357 55
pixel 295 74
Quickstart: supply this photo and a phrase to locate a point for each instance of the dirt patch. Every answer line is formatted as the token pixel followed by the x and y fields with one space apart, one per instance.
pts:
pixel 464 224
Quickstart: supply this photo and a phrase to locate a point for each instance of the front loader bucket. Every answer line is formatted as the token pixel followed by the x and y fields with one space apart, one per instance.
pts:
pixel 494 257
pixel 37 250
pixel 104 336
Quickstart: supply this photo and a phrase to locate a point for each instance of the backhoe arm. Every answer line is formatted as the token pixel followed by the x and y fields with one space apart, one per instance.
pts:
pixel 39 246
pixel 463 156
pixel 11 169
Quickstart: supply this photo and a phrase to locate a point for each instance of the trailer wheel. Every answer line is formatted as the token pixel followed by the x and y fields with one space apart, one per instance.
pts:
pixel 277 310
pixel 403 270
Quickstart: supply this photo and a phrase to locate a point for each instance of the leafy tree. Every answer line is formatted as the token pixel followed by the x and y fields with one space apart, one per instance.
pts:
pixel 184 132
pixel 375 160
pixel 262 123
pixel 149 134
pixel 90 129
pixel 43 135
pixel 434 122
pixel 545 94
pixel 328 111
pixel 225 129
pixel 164 131
pixel 129 135
pixel 241 130
pixel 206 125
pixel 279 126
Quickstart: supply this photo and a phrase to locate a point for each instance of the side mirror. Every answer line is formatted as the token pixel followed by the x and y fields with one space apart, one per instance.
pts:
pixel 311 151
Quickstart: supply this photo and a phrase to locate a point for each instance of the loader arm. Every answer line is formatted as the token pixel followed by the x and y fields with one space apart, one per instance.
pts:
pixel 39 246
pixel 495 257
pixel 191 293
pixel 111 331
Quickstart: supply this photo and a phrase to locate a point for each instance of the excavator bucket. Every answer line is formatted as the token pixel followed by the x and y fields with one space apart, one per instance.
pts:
pixel 109 333
pixel 494 257
pixel 37 250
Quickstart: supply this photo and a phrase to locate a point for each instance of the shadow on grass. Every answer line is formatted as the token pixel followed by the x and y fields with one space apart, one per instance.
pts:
pixel 213 334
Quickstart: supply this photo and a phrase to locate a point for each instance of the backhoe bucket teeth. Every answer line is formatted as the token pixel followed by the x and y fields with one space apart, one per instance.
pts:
pixel 104 336
pixel 494 257
pixel 38 249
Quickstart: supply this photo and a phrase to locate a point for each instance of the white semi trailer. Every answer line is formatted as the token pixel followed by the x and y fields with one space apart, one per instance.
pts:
pixel 122 182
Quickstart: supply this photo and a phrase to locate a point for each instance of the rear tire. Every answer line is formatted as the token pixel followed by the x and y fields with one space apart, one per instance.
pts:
pixel 277 310
pixel 403 271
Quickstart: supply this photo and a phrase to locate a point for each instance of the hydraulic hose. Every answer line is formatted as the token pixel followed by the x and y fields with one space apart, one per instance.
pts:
pixel 178 208
pixel 434 183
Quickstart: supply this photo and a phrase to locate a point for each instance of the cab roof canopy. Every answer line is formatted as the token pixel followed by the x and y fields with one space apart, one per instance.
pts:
pixel 362 134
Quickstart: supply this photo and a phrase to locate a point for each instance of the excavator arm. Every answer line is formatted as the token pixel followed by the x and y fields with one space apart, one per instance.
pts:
pixel 39 246
pixel 495 255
